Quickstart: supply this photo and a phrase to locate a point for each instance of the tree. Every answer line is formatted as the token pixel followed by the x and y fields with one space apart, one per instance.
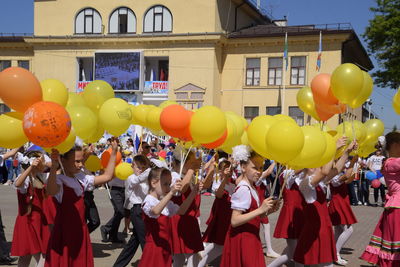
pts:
pixel 394 128
pixel 383 40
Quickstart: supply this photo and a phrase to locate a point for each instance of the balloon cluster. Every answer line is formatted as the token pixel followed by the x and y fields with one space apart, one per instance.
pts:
pixel 329 94
pixel 207 126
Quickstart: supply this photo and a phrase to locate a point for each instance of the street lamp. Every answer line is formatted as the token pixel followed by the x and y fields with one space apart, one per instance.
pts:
pixel 369 102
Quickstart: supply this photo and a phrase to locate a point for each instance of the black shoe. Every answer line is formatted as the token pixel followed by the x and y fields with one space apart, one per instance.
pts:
pixel 104 237
pixel 117 241
pixel 7 260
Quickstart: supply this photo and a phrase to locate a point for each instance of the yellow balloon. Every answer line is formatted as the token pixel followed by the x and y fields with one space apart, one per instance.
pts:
pixel 232 138
pixel 346 82
pixel 396 102
pixel 207 124
pixel 365 93
pixel 96 135
pixel 283 117
pixel 284 140
pixel 139 114
pixel 366 148
pixel 244 139
pixel 375 128
pixel 244 122
pixel 237 122
pixel 66 145
pixel 93 163
pixel 305 101
pixel 12 133
pixel 123 171
pixel 353 130
pixel 153 119
pixel 313 149
pixel 83 120
pixel 75 100
pixel 54 91
pixel 329 153
pixel 115 116
pixel 96 93
pixel 167 103
pixel 257 133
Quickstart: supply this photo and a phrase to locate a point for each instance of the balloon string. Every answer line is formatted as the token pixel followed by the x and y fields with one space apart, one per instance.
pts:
pixel 285 177
pixel 280 167
pixel 61 165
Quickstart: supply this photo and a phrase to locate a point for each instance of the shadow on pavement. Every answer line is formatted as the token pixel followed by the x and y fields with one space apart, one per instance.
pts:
pixel 100 248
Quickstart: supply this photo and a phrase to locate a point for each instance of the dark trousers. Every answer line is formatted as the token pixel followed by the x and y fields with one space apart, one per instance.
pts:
pixel 91 212
pixel 4 249
pixel 380 189
pixel 137 238
pixel 364 191
pixel 117 200
pixel 352 193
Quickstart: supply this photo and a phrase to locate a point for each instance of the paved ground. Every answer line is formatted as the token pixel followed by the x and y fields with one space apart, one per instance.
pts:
pixel 106 253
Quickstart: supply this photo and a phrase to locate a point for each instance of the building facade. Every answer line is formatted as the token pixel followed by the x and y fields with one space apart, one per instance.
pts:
pixel 225 53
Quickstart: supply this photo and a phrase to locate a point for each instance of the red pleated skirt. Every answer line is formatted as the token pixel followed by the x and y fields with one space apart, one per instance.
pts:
pixel 340 210
pixel 219 220
pixel 290 221
pixel 384 246
pixel 50 209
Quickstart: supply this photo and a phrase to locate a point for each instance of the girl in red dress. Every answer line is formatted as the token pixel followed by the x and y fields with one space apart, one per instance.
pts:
pixel 70 244
pixel 220 215
pixel 31 231
pixel 158 208
pixel 242 243
pixel 290 220
pixel 186 235
pixel 316 240
pixel 383 248
pixel 262 187
pixel 342 216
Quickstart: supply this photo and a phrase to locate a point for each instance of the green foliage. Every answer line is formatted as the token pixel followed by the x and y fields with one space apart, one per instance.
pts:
pixel 383 40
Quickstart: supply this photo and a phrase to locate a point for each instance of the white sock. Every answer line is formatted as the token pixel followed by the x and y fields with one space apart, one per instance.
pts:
pixel 178 260
pixel 287 254
pixel 210 253
pixel 41 261
pixel 343 237
pixel 193 260
pixel 267 235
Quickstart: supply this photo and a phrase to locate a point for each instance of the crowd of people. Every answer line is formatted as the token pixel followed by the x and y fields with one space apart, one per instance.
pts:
pixel 162 198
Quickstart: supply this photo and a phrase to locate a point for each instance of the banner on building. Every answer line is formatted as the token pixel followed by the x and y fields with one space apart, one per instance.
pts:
pixel 155 87
pixel 81 85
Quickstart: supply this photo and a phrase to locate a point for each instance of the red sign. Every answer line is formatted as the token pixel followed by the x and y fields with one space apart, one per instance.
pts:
pixel 81 85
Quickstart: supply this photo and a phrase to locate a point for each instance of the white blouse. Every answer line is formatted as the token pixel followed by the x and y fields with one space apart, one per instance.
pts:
pixel 80 180
pixel 294 178
pixel 241 199
pixel 149 202
pixel 24 187
pixel 336 180
pixel 138 187
pixel 309 191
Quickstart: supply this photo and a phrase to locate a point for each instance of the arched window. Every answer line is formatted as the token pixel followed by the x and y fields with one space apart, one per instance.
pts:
pixel 122 20
pixel 88 21
pixel 158 19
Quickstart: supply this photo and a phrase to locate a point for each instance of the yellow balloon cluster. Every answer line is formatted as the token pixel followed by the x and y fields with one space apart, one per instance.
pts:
pixel 93 163
pixel 115 116
pixel 54 91
pixel 12 134
pixel 123 171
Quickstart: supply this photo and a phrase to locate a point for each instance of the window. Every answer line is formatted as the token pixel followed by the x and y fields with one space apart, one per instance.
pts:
pixel 122 20
pixel 250 113
pixel 23 64
pixel 85 69
pixel 275 71
pixel 4 108
pixel 297 115
pixel 158 19
pixel 4 64
pixel 252 71
pixel 88 21
pixel 298 70
pixel 273 110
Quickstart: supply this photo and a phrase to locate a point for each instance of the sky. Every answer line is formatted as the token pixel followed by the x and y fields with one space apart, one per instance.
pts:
pixel 16 16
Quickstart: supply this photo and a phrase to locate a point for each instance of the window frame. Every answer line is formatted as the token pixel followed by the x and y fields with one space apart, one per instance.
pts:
pixel 84 20
pixel 8 60
pixel 279 109
pixel 247 117
pixel 153 9
pixel 298 68
pixel 275 71
pixel 127 20
pixel 253 71
pixel 296 117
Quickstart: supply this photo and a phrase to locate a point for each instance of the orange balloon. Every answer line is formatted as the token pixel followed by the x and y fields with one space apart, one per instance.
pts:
pixel 185 135
pixel 321 89
pixel 105 157
pixel 333 109
pixel 174 120
pixel 19 88
pixel 46 124
pixel 323 114
pixel 217 142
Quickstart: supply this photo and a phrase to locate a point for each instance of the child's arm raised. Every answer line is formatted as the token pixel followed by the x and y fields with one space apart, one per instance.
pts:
pixel 157 209
pixel 188 201
pixel 52 187
pixel 21 179
pixel 210 173
pixel 220 191
pixel 109 171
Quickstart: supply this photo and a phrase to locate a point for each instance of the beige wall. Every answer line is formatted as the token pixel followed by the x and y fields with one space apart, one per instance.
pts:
pixel 188 16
